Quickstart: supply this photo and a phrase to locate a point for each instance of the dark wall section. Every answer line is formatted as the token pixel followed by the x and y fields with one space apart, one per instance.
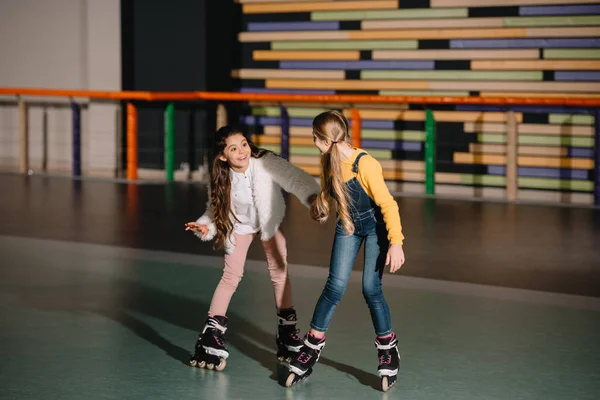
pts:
pixel 180 45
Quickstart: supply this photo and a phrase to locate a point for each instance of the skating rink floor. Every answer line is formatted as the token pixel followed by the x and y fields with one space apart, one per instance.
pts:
pixel 102 295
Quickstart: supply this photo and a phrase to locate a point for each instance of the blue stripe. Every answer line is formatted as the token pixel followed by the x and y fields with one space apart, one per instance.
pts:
pixel 560 10
pixel 524 43
pixel 293 26
pixel 285 91
pixel 581 152
pixel 350 65
pixel 524 109
pixel 391 145
pixel 535 172
pixel 577 76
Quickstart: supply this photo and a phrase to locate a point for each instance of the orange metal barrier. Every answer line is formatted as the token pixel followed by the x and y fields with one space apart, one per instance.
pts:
pixel 311 98
pixel 350 100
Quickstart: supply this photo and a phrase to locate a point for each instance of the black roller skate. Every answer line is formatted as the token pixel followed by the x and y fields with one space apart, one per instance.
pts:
pixel 288 342
pixel 389 360
pixel 210 351
pixel 301 366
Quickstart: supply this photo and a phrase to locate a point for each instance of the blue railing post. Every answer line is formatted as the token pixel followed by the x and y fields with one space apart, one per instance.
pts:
pixel 76 113
pixel 285 133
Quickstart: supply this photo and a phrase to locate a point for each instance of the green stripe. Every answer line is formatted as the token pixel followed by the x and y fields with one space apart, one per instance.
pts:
pixel 548 183
pixel 390 14
pixel 570 119
pixel 552 21
pixel 529 140
pixel 304 151
pixel 422 93
pixel 574 54
pixel 296 112
pixel 455 75
pixel 491 138
pixel 384 134
pixel 275 148
pixel 313 151
pixel 346 45
pixel 487 180
pixel 555 141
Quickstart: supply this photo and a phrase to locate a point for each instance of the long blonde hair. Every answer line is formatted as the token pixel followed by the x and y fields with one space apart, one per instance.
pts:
pixel 332 126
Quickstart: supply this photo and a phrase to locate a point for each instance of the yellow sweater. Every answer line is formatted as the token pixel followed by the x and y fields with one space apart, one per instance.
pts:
pixel 370 176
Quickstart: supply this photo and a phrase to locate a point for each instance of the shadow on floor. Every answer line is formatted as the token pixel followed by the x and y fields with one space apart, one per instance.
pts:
pixel 118 300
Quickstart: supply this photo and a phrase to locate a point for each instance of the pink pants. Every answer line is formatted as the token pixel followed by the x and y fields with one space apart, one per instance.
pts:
pixel 276 252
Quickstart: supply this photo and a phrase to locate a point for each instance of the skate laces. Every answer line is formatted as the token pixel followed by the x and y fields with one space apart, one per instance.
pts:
pixel 385 359
pixel 304 357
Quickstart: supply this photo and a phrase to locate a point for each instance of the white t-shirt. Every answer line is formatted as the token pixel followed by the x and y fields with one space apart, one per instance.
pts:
pixel 242 202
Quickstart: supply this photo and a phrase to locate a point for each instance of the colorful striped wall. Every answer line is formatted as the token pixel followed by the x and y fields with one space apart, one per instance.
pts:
pixel 529 48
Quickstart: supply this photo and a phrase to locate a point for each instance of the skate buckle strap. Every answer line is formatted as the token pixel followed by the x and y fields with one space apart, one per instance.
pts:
pixel 392 344
pixel 214 324
pixel 317 347
pixel 386 346
pixel 283 321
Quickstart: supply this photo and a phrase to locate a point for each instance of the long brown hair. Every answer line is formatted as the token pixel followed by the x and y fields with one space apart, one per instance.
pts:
pixel 332 126
pixel 220 183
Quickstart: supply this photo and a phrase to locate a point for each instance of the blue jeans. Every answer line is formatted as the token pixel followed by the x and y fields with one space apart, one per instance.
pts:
pixel 345 250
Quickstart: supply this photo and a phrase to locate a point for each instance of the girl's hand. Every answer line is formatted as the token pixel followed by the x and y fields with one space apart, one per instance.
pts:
pixel 395 257
pixel 194 227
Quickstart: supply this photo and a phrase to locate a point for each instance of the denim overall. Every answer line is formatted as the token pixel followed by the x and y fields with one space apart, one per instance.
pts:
pixel 370 228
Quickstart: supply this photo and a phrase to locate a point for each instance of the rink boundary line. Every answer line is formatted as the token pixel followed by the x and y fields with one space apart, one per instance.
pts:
pixel 315 272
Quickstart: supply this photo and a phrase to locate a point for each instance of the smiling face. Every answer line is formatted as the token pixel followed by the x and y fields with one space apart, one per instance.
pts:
pixel 237 152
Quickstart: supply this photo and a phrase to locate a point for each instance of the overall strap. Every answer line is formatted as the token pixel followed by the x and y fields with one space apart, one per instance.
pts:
pixel 355 165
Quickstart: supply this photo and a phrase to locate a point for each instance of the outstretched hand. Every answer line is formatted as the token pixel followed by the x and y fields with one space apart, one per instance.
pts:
pixel 195 227
pixel 395 257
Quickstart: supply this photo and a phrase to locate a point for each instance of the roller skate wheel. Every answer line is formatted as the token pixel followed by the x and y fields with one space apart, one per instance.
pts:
pixel 201 364
pixel 221 365
pixel 290 380
pixel 210 366
pixel 384 384
pixel 193 363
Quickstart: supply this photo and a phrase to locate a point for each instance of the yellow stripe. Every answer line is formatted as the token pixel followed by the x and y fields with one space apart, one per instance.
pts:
pixel 272 1
pixel 345 85
pixel 532 129
pixel 439 34
pixel 440 116
pixel 302 6
pixel 562 32
pixel 455 54
pixel 522 150
pixel 537 65
pixel 262 55
pixel 525 161
pixel 296 36
pixel 555 162
pixel 488 159
pixel 294 141
pixel 437 22
pixel 294 130
pixel 286 74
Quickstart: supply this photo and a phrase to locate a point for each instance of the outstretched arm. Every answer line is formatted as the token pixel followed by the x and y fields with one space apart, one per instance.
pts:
pixel 292 179
pixel 207 220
